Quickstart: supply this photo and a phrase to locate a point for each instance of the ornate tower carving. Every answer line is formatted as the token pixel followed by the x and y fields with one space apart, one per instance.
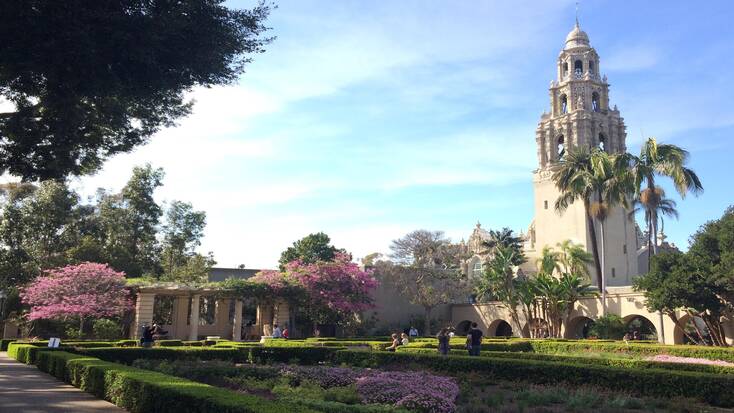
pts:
pixel 580 115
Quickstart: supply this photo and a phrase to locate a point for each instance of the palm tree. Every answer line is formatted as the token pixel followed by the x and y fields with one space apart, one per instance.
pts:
pixel 505 238
pixel 656 205
pixel 574 258
pixel 575 178
pixel 659 160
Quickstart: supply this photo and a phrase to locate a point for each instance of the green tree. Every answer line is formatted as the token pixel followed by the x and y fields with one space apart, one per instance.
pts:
pixel 182 233
pixel 653 208
pixel 506 238
pixel 91 79
pixel 498 282
pixel 129 221
pixel 426 268
pixel 659 160
pixel 310 249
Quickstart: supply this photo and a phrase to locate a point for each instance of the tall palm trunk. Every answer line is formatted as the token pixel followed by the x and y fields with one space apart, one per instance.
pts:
pixel 603 275
pixel 594 246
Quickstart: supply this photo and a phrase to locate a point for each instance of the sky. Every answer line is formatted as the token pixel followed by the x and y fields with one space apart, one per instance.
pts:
pixel 367 120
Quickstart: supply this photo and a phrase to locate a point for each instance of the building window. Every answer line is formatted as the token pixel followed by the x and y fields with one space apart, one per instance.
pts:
pixel 564 103
pixel 595 101
pixel 578 68
pixel 477 269
pixel 561 149
pixel 545 204
pixel 602 143
pixel 565 69
pixel 207 310
pixel 614 273
pixel 163 310
pixel 624 248
pixel 591 66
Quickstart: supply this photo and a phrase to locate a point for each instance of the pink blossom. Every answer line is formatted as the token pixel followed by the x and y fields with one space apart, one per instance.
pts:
pixel 85 290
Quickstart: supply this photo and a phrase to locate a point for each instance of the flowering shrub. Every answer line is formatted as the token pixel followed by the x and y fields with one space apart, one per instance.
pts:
pixel 325 377
pixel 415 390
pixel 87 290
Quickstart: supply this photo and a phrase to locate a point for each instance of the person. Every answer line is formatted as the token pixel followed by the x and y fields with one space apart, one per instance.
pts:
pixel 285 333
pixel 404 340
pixel 452 333
pixel 474 340
pixel 316 332
pixel 395 343
pixel 443 341
pixel 276 332
pixel 158 332
pixel 413 332
pixel 146 339
pixel 626 338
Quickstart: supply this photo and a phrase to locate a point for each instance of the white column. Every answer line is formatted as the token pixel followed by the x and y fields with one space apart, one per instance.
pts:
pixel 143 311
pixel 237 324
pixel 194 320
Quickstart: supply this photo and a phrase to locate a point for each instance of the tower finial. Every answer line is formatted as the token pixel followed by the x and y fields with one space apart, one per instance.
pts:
pixel 577 14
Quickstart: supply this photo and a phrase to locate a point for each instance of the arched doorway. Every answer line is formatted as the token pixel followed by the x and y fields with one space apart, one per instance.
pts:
pixel 500 328
pixel 690 332
pixel 463 327
pixel 579 327
pixel 641 327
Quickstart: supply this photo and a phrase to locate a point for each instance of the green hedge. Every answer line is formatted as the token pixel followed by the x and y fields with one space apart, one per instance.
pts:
pixel 141 391
pixel 599 361
pixel 128 355
pixel 26 353
pixel 486 345
pixel 169 343
pixel 4 343
pixel 713 388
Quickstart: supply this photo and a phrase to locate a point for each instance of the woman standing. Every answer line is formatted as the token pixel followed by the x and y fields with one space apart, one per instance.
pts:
pixel 443 341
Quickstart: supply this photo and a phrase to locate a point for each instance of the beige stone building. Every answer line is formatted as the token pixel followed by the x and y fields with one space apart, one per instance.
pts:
pixel 580 115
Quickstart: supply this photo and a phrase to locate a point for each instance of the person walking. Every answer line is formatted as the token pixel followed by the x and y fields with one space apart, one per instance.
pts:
pixel 146 339
pixel 474 340
pixel 443 342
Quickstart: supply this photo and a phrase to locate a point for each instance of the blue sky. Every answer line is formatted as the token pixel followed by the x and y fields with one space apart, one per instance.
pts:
pixel 367 120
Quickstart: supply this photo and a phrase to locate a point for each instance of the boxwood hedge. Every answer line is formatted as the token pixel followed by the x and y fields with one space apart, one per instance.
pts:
pixel 146 391
pixel 713 388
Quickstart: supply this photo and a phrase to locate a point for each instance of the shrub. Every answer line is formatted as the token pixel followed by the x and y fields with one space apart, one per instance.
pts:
pixel 713 388
pixel 4 343
pixel 610 326
pixel 169 343
pixel 413 390
pixel 25 353
pixel 146 391
pixel 106 329
pixel 126 343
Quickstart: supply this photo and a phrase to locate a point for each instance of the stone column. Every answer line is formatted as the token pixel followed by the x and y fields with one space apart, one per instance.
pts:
pixel 143 312
pixel 194 320
pixel 237 324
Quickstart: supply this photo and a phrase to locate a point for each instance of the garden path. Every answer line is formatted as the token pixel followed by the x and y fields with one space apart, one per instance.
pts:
pixel 26 389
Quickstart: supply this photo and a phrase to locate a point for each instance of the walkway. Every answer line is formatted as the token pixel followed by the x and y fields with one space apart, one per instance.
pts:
pixel 26 389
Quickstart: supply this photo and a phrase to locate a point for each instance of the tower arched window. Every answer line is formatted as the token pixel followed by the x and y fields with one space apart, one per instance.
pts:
pixel 578 67
pixel 560 147
pixel 595 102
pixel 564 69
pixel 564 103
pixel 591 67
pixel 602 142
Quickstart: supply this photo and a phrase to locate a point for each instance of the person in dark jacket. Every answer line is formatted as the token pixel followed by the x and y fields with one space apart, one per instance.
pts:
pixel 443 341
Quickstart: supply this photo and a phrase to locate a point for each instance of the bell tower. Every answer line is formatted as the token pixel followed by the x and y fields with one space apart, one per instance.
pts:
pixel 580 115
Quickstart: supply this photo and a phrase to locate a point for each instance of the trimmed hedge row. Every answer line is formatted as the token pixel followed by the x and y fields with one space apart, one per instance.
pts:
pixel 713 388
pixel 607 346
pixel 145 391
pixel 599 361
pixel 4 343
pixel 26 353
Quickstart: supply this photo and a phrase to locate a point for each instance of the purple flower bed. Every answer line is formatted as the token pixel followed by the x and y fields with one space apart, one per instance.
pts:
pixel 326 377
pixel 414 390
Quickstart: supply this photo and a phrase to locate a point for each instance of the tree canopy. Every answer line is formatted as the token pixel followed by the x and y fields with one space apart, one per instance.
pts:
pixel 88 80
pixel 310 249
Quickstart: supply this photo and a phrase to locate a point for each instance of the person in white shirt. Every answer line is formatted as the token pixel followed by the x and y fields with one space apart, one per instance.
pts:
pixel 413 332
pixel 277 333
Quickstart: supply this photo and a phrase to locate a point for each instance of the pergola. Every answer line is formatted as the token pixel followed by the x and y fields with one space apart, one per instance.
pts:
pixel 185 320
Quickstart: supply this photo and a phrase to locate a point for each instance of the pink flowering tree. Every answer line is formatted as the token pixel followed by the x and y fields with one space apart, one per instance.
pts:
pixel 85 291
pixel 335 290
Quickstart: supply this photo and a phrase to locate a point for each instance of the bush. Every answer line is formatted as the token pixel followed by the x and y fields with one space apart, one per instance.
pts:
pixel 610 326
pixel 713 388
pixel 169 343
pixel 4 343
pixel 106 329
pixel 127 355
pixel 126 343
pixel 25 353
pixel 146 391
